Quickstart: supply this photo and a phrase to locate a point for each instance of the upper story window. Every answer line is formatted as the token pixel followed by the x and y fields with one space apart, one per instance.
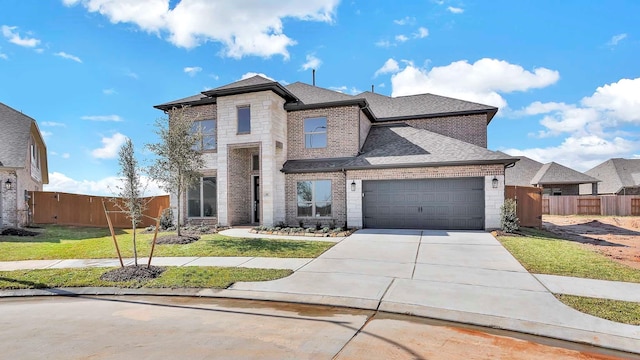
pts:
pixel 208 130
pixel 315 132
pixel 35 154
pixel 244 120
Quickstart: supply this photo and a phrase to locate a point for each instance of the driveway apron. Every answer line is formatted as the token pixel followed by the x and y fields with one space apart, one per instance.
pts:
pixel 465 276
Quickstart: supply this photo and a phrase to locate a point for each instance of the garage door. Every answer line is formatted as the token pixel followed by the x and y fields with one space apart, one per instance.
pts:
pixel 424 204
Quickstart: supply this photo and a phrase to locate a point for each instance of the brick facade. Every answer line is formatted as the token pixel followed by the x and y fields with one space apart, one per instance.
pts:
pixel 240 191
pixel 338 200
pixel 468 128
pixel 342 133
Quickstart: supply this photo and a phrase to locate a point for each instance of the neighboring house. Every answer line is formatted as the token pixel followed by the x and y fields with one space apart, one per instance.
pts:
pixel 619 177
pixel 302 155
pixel 23 165
pixel 553 178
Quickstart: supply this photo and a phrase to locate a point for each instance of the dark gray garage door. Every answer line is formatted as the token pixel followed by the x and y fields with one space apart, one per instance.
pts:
pixel 424 204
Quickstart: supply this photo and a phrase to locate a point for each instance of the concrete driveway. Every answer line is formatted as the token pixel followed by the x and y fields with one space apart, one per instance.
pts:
pixel 464 276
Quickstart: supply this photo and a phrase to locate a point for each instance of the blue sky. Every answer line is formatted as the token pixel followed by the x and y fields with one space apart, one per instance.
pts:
pixel 565 74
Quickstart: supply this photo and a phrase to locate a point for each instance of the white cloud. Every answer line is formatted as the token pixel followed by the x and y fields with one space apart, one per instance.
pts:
pixel 384 43
pixel 131 74
pixel 109 91
pixel 103 187
pixel 66 155
pixel 580 152
pixel 4 56
pixel 390 66
pixel 244 29
pixel 483 81
pixel 115 118
pixel 14 37
pixel 252 74
pixel 52 124
pixel 110 147
pixel 192 70
pixel 407 20
pixel 455 10
pixel 64 55
pixel 422 32
pixel 592 127
pixel 615 39
pixel 346 90
pixel 46 134
pixel 312 62
pixel 401 38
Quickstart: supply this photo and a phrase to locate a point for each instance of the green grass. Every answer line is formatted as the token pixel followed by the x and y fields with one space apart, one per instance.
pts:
pixel 173 277
pixel 541 252
pixel 64 242
pixel 614 310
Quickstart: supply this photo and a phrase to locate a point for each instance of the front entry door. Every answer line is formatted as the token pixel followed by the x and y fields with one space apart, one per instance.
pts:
pixel 256 199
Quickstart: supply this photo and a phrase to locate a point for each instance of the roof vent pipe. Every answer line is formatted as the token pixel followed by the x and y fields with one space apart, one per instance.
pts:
pixel 313 71
pixel 372 88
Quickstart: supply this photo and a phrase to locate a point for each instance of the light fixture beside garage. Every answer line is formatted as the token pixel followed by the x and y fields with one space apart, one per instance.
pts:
pixel 7 185
pixel 353 185
pixel 494 182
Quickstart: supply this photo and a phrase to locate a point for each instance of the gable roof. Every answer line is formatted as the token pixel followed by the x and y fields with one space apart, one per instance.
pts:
pixel 554 173
pixel 387 108
pixel 616 174
pixel 401 145
pixel 522 172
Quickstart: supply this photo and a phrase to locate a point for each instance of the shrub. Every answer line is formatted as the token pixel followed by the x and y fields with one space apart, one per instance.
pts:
pixel 508 218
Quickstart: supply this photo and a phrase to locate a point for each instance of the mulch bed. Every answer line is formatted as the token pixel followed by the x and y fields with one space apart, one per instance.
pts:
pixel 127 273
pixel 175 239
pixel 18 232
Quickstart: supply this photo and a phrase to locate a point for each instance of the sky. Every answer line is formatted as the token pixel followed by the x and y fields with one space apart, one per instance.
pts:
pixel 565 74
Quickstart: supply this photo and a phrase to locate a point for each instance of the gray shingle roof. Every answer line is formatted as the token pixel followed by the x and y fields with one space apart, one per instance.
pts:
pixel 422 105
pixel 554 173
pixel 522 172
pixel 314 165
pixel 310 94
pixel 400 144
pixel 616 174
pixel 252 81
pixel 189 100
pixel 14 137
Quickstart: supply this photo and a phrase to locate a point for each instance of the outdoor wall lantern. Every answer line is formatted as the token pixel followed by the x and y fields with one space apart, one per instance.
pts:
pixel 494 182
pixel 7 184
pixel 353 185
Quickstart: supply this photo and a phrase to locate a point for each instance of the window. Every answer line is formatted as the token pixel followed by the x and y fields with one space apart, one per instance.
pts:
pixel 208 130
pixel 314 198
pixel 202 199
pixel 35 154
pixel 315 132
pixel 244 120
pixel 255 162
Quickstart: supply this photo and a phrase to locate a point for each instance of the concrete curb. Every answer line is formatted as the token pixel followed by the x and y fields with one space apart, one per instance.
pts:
pixel 610 341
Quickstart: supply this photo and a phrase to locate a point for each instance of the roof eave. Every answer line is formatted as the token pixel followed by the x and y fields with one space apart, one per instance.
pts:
pixel 169 106
pixel 302 106
pixel 402 166
pixel 274 86
pixel 490 113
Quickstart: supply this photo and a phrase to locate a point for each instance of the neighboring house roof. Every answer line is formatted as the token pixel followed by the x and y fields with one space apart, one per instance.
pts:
pixel 616 174
pixel 554 173
pixel 401 145
pixel 422 105
pixel 522 172
pixel 14 139
pixel 377 107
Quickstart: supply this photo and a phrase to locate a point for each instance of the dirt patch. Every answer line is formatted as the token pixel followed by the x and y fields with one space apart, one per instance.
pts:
pixel 128 273
pixel 616 237
pixel 18 232
pixel 175 239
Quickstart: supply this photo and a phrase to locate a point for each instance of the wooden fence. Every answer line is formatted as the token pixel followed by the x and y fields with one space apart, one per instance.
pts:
pixel 529 204
pixel 86 210
pixel 609 205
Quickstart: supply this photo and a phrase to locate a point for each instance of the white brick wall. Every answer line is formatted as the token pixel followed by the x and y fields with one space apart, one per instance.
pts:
pixel 354 204
pixel 493 200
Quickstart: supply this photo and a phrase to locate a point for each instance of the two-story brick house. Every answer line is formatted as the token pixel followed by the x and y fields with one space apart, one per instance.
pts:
pixel 301 154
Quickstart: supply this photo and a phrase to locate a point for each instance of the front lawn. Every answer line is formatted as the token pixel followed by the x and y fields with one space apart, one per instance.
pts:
pixel 615 310
pixel 65 242
pixel 173 277
pixel 541 252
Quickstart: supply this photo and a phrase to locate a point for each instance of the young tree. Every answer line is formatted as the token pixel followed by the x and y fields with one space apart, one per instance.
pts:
pixel 131 190
pixel 178 159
